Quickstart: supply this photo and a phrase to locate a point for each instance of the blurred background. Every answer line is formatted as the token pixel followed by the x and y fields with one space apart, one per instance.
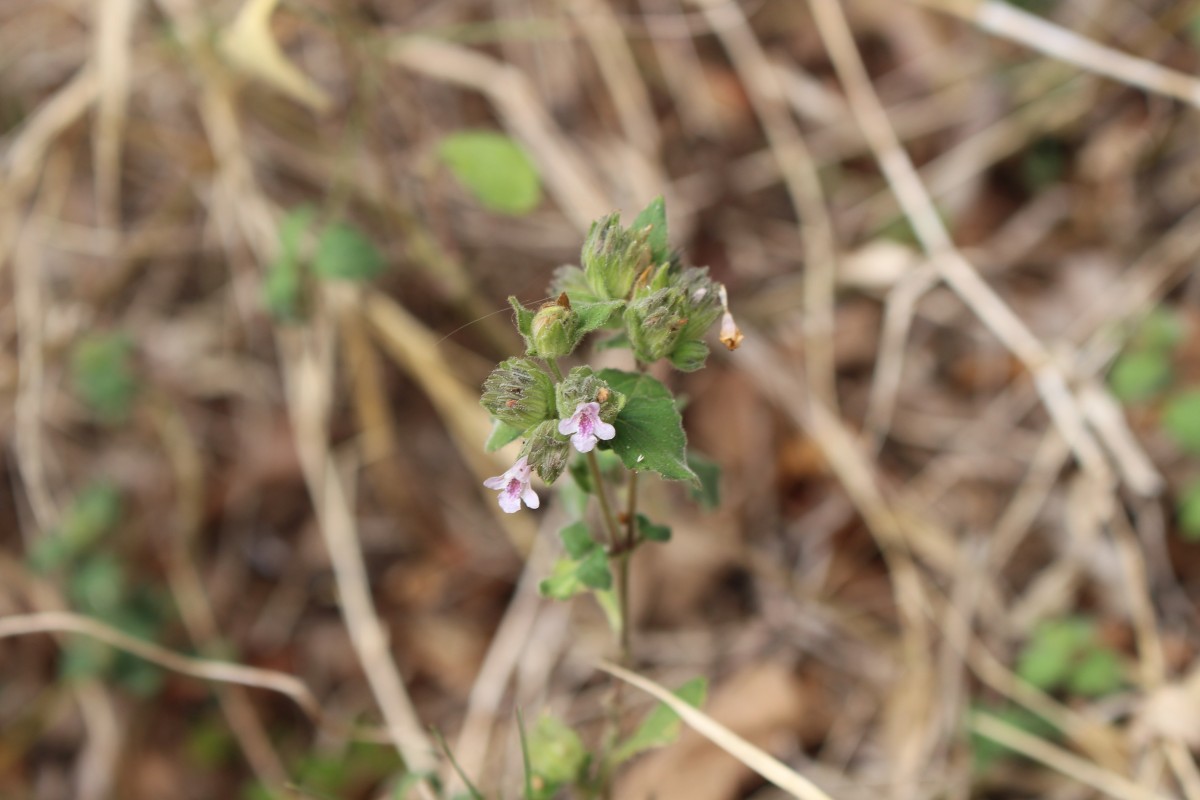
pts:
pixel 253 266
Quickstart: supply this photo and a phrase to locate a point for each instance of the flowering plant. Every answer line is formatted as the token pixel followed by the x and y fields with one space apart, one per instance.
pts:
pixel 605 427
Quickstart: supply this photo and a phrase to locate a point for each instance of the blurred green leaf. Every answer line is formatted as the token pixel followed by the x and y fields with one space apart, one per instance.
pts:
pixel 577 540
pixel 1097 674
pixel 650 532
pixel 986 752
pixel 556 756
pixel 97 586
pixel 593 316
pixel 345 253
pixel 661 726
pixel 1189 512
pixel 563 582
pixel 1043 164
pixel 84 658
pixel 209 744
pixel 708 494
pixel 1181 420
pixel 1139 375
pixel 495 169
pixel 93 512
pixel 593 570
pixel 283 289
pixel 1162 329
pixel 103 375
pixel 1049 657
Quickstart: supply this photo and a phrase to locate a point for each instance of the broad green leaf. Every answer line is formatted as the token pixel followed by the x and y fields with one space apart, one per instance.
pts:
pixel 654 216
pixel 345 253
pixel 97 586
pixel 102 372
pixel 708 495
pixel 1189 512
pixel 577 540
pixel 593 570
pixel 649 429
pixel 650 532
pixel 563 583
pixel 1098 674
pixel 1139 375
pixel 1181 419
pixel 501 434
pixel 572 280
pixel 495 169
pixel 661 726
pixel 556 755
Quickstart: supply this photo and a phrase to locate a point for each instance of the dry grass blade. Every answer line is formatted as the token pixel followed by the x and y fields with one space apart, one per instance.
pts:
pixel 766 765
pixel 249 44
pixel 1009 22
pixel 205 669
pixel 1104 781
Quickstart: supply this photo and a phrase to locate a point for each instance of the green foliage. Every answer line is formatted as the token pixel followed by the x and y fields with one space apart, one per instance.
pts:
pixel 1067 654
pixel 586 566
pixel 649 532
pixel 649 429
pixel 577 540
pixel 557 757
pixel 92 514
pixel 501 435
pixel 1139 375
pixel 495 169
pixel 661 726
pixel 1189 512
pixel 708 494
pixel 103 376
pixel 986 752
pixel 345 253
pixel 1161 330
pixel 283 287
pixel 654 217
pixel 1181 420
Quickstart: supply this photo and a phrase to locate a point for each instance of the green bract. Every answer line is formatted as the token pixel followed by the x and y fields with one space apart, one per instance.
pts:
pixel 583 386
pixel 547 451
pixel 554 331
pixel 519 394
pixel 613 257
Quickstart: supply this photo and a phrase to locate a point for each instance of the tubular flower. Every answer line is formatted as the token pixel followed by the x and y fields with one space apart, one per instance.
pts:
pixel 585 427
pixel 514 487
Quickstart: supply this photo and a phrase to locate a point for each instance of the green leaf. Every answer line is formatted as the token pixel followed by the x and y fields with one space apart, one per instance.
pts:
pixel 1181 419
pixel 501 434
pixel 650 532
pixel 577 540
pixel 1189 512
pixel 987 752
pixel 708 495
pixel 563 583
pixel 593 570
pixel 283 289
pixel 94 511
pixel 614 342
pixel 661 726
pixel 556 755
pixel 1049 657
pixel 344 253
pixel 1139 375
pixel 495 169
pixel 524 318
pixel 103 375
pixel 1161 329
pixel 572 280
pixel 574 498
pixel 649 429
pixel 97 586
pixel 1098 674
pixel 292 230
pixel 654 216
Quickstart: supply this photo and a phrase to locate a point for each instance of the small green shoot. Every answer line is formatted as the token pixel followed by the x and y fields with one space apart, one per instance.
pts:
pixel 495 169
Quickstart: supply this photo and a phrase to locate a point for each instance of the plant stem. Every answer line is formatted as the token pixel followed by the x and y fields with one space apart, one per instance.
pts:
pixel 610 521
pixel 627 549
pixel 553 364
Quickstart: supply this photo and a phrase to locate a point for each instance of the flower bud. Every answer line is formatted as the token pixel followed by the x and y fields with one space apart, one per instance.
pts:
pixel 613 257
pixel 548 451
pixel 654 324
pixel 555 329
pixel 519 394
pixel 582 386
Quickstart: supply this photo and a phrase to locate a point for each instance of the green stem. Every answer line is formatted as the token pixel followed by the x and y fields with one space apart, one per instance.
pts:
pixel 623 571
pixel 610 521
pixel 553 364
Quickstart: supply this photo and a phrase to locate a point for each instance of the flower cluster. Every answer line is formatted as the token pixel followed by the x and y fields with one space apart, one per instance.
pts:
pixel 628 284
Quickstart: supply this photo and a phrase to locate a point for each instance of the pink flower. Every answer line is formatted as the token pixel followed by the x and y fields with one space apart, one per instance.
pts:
pixel 514 487
pixel 586 427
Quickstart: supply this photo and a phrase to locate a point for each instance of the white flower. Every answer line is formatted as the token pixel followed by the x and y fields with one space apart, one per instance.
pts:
pixel 514 487
pixel 585 427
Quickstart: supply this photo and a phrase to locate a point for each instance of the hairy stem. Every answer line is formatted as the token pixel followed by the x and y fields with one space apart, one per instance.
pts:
pixel 610 521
